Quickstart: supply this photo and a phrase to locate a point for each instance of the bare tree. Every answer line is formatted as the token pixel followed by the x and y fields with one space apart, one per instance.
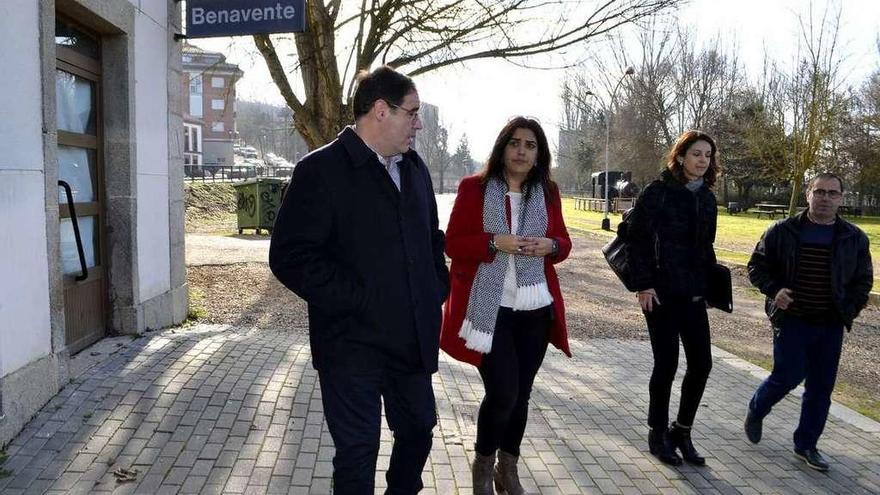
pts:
pixel 707 80
pixel 810 102
pixel 582 125
pixel 676 86
pixel 431 142
pixel 860 142
pixel 419 36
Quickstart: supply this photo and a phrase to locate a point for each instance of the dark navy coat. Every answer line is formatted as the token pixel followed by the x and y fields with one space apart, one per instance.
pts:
pixel 367 258
pixel 673 232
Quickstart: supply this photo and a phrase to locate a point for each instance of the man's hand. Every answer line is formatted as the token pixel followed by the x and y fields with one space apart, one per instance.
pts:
pixel 647 300
pixel 784 298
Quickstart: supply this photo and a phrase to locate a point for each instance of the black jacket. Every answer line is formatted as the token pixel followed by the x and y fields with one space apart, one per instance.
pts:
pixel 672 231
pixel 367 258
pixel 774 263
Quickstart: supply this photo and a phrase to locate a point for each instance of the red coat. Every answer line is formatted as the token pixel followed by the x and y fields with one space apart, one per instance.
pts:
pixel 468 246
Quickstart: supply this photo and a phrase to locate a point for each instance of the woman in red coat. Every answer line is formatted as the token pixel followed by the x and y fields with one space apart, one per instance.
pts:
pixel 505 233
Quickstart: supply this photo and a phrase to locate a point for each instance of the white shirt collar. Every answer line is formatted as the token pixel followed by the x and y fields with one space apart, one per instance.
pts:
pixel 391 160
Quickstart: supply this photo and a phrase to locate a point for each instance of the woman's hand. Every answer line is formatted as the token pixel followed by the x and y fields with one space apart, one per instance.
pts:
pixel 647 300
pixel 537 246
pixel 510 244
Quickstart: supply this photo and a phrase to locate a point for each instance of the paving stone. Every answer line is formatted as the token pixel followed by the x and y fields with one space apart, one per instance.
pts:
pixel 215 410
pixel 193 484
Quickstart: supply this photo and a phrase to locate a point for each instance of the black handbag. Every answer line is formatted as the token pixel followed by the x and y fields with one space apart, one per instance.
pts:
pixel 719 288
pixel 616 254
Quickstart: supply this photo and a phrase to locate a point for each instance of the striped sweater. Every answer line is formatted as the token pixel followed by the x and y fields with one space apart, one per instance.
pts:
pixel 812 286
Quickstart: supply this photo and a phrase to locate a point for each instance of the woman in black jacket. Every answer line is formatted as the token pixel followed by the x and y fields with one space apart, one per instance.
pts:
pixel 672 231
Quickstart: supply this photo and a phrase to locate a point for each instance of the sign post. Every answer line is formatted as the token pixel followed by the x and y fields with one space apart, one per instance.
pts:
pixel 209 18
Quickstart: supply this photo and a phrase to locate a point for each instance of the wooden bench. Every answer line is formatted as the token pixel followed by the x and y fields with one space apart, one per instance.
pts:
pixel 620 205
pixel 769 213
pixel 769 209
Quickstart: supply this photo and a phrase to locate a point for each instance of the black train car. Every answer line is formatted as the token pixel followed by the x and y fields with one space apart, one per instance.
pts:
pixel 621 185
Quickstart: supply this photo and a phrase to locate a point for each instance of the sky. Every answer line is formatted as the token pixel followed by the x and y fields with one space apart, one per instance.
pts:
pixel 478 98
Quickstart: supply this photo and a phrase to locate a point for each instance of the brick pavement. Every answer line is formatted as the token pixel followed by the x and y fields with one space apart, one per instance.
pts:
pixel 215 410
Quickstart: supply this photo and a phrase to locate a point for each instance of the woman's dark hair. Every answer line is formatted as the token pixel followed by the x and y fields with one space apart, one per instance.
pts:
pixel 682 144
pixel 539 174
pixel 384 83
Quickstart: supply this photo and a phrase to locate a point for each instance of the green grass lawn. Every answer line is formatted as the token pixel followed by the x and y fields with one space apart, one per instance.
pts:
pixel 736 236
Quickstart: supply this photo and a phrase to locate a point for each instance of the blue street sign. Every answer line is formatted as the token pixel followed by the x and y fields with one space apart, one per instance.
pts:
pixel 206 18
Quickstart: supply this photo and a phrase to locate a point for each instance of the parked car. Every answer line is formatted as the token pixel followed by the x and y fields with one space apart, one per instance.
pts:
pixel 247 169
pixel 249 152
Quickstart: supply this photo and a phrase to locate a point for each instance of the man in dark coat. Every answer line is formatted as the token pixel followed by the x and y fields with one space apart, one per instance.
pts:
pixel 357 238
pixel 815 269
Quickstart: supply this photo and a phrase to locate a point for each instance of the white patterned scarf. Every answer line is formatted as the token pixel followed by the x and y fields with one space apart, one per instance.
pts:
pixel 488 287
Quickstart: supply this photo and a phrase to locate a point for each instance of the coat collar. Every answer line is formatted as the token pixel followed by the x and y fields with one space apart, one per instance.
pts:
pixel 356 148
pixel 673 182
pixel 842 228
pixel 360 153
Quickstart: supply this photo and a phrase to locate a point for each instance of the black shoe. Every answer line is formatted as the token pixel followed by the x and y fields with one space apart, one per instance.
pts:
pixel 680 438
pixel 754 427
pixel 661 447
pixel 813 459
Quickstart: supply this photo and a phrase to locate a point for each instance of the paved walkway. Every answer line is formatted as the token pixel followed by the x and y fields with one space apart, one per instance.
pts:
pixel 210 249
pixel 212 409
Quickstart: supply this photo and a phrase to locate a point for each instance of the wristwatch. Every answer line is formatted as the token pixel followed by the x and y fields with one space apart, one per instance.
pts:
pixel 492 247
pixel 555 249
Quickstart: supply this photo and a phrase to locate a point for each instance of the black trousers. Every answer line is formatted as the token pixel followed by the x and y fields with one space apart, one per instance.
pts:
pixel 353 408
pixel 668 322
pixel 508 372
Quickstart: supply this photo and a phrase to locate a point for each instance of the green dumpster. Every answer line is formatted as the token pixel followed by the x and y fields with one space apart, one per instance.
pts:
pixel 257 203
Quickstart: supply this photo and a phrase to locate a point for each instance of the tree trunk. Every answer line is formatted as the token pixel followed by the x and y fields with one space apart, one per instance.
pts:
pixel 796 189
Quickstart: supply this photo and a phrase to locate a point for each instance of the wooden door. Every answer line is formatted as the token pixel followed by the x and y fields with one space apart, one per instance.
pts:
pixel 81 184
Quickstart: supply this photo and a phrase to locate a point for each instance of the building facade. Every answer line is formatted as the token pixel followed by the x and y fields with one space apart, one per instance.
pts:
pixel 432 143
pixel 210 113
pixel 91 185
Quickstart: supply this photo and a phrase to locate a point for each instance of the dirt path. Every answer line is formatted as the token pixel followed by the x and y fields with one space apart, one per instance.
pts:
pixel 233 283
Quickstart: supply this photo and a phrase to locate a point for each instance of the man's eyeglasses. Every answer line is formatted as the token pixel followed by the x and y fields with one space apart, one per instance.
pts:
pixel 413 113
pixel 831 194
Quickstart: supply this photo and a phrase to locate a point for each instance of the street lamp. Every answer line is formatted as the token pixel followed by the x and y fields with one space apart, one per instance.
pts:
pixel 606 222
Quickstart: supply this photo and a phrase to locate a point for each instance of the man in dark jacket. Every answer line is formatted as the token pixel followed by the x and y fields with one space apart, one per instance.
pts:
pixel 815 269
pixel 357 238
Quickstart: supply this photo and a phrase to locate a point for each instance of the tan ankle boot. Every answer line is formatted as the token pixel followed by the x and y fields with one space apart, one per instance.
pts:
pixel 481 470
pixel 506 476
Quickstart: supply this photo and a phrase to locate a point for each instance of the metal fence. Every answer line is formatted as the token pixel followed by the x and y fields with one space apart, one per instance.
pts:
pixel 617 205
pixel 231 173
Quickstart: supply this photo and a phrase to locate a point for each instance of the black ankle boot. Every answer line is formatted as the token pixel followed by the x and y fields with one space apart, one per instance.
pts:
pixel 661 447
pixel 680 437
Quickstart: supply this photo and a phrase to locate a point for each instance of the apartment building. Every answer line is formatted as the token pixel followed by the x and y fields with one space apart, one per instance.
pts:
pixel 209 117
